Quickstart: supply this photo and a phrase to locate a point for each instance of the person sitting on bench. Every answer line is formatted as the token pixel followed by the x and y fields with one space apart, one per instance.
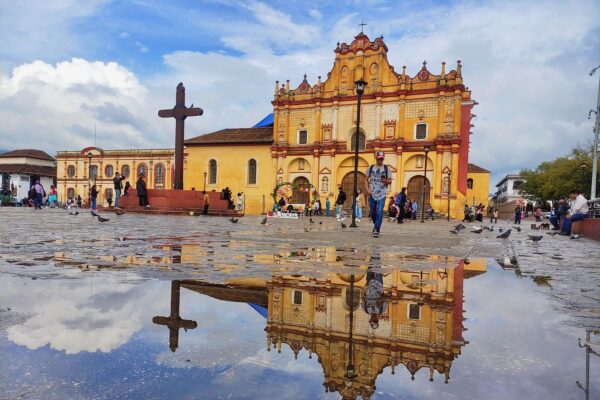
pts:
pixel 578 212
pixel 560 211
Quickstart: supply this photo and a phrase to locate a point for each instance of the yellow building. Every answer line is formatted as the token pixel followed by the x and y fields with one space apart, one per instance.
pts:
pixel 73 170
pixel 312 136
pixel 478 183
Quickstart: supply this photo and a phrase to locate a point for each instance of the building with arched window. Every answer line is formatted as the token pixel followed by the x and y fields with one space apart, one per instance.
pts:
pixel 309 136
pixel 73 170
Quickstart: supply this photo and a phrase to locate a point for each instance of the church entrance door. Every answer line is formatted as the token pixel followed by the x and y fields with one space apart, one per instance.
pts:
pixel 415 188
pixel 301 190
pixel 348 186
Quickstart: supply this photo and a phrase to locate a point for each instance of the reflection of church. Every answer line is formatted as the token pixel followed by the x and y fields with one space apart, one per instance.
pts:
pixel 421 327
pixel 308 141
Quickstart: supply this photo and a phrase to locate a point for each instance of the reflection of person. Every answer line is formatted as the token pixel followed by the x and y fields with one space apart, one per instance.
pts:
pixel 374 303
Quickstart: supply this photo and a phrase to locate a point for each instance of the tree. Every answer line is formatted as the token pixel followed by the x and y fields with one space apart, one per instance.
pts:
pixel 554 179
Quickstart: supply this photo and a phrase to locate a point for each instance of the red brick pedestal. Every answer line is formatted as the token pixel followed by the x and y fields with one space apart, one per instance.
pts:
pixel 178 202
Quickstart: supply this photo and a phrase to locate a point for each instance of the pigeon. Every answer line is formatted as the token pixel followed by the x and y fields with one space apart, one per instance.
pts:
pixel 500 229
pixel 477 229
pixel 264 221
pixel 119 212
pixel 234 220
pixel 93 213
pixel 487 228
pixel 505 234
pixel 311 221
pixel 454 232
pixel 518 228
pixel 73 212
pixel 576 236
pixel 459 227
pixel 535 238
pixel 492 229
pixel 103 219
pixel 343 225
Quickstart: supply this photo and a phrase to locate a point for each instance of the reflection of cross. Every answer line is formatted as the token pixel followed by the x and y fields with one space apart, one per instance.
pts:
pixel 362 25
pixel 174 321
pixel 180 112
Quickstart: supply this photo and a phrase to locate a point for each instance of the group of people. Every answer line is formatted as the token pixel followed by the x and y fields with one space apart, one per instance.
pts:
pixel 475 213
pixel 564 215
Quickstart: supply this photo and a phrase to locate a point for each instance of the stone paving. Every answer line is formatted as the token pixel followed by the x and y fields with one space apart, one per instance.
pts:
pixel 51 243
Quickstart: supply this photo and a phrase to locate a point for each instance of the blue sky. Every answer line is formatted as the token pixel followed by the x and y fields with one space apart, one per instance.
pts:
pixel 68 65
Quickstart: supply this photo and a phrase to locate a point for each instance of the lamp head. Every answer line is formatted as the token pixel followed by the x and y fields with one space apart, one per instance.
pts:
pixel 426 148
pixel 360 86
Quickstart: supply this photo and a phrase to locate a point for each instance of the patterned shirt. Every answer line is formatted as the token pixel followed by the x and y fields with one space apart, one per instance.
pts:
pixel 378 188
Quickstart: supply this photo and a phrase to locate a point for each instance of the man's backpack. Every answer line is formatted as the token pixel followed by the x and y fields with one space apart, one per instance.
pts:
pixel 385 167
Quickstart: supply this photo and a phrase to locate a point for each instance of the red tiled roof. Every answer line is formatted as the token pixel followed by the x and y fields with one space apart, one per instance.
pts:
pixel 235 136
pixel 30 153
pixel 28 169
pixel 477 168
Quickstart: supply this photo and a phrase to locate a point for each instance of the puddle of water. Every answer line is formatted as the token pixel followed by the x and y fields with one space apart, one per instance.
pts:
pixel 382 333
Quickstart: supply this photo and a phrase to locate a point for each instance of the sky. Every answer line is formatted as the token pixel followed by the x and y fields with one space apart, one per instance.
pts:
pixel 70 68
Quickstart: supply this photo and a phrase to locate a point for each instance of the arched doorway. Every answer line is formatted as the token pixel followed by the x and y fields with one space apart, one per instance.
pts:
pixel 300 191
pixel 348 186
pixel 415 188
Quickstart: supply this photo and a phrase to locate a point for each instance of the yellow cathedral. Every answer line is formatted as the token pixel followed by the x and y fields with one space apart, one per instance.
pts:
pixel 421 122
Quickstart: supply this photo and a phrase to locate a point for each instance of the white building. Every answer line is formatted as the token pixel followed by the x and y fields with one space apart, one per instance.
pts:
pixel 508 189
pixel 21 168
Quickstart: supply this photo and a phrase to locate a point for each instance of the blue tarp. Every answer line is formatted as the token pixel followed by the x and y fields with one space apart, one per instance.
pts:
pixel 260 309
pixel 265 122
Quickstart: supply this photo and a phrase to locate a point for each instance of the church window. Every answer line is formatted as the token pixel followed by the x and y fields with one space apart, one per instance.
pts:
pixel 325 184
pixel 361 141
pixel 93 172
pixel 125 171
pixel 297 298
pixel 70 192
pixel 302 136
pixel 108 171
pixel 469 183
pixel 71 171
pixel 212 172
pixel 301 165
pixel 414 311
pixel 252 172
pixel 159 174
pixel 141 170
pixel 420 131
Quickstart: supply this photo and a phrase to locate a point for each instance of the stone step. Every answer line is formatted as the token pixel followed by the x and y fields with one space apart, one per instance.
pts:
pixel 175 211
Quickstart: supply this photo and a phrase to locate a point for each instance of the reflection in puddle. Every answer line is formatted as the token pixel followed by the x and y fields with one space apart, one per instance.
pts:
pixel 356 324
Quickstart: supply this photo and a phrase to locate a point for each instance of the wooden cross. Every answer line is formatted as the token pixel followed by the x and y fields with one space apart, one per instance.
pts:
pixel 180 112
pixel 174 321
pixel 362 25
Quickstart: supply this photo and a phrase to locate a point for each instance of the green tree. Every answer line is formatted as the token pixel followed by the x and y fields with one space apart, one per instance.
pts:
pixel 554 179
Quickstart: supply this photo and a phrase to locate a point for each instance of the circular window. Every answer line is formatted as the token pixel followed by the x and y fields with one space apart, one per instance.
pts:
pixel 71 171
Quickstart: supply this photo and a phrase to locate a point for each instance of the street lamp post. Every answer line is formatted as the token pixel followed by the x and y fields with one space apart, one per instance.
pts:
pixel 360 89
pixel 596 133
pixel 426 149
pixel 350 370
pixel 205 174
pixel 89 156
pixel 449 173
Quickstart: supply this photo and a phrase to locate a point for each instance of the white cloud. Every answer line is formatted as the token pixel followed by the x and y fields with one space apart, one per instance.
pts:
pixel 72 320
pixel 56 107
pixel 124 34
pixel 316 14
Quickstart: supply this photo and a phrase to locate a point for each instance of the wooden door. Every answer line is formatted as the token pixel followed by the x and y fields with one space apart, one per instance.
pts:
pixel 348 186
pixel 414 189
pixel 300 195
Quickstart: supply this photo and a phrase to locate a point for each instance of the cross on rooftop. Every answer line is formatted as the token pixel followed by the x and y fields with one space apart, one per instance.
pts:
pixel 362 25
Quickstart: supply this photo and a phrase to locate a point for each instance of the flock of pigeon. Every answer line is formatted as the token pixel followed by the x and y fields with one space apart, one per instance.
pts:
pixel 94 214
pixel 503 234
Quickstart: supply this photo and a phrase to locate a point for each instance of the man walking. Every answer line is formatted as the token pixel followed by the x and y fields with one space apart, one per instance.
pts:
pixel 339 202
pixel 378 177
pixel 205 202
pixel 39 194
pixel 118 186
pixel 401 203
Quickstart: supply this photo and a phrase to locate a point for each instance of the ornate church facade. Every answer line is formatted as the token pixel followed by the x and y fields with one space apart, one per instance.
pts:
pixel 421 122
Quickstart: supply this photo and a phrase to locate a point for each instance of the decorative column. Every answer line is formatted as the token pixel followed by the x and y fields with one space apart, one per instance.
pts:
pixel 335 124
pixel 379 133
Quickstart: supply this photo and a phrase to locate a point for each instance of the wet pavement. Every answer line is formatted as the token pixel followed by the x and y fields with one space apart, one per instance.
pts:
pixel 145 307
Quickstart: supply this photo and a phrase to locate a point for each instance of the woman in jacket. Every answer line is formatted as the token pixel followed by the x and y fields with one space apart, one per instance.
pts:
pixel 142 192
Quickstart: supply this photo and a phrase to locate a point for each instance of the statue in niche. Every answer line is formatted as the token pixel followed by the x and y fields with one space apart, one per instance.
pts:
pixel 445 186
